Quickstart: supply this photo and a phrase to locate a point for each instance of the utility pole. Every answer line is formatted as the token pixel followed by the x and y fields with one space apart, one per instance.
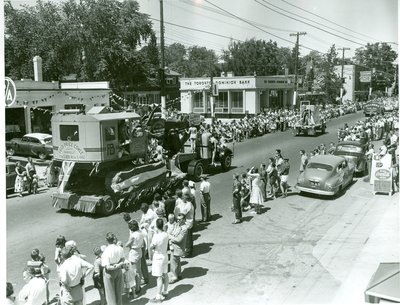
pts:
pixel 341 78
pixel 162 68
pixel 296 64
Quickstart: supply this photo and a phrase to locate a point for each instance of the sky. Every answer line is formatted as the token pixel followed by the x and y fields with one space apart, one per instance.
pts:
pixel 345 23
pixel 358 21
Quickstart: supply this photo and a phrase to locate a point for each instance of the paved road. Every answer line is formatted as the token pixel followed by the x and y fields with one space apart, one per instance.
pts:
pixel 300 250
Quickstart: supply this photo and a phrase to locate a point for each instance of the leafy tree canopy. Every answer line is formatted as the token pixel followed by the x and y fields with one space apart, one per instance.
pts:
pixel 95 39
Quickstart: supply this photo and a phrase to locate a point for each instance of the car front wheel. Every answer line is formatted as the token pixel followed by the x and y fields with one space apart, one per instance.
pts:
pixel 42 156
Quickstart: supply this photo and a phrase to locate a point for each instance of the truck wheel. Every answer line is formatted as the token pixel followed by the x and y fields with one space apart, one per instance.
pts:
pixel 198 170
pixel 108 206
pixel 226 163
pixel 323 130
pixel 10 152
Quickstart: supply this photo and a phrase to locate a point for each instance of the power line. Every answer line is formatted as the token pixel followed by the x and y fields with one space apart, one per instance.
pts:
pixel 216 11
pixel 307 23
pixel 313 21
pixel 248 22
pixel 197 30
pixel 327 20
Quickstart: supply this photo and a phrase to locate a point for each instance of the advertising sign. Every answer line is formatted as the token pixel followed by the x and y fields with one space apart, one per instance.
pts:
pixel 365 76
pixel 381 174
pixel 10 91
pixel 194 119
pixel 70 151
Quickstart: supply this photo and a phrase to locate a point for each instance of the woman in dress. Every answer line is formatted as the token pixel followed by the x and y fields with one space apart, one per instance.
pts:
pixel 19 179
pixel 256 197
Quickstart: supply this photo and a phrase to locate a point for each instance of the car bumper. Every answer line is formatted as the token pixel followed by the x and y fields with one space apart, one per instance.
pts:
pixel 315 191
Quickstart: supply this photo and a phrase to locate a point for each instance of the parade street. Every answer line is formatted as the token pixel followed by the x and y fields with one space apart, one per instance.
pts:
pixel 301 249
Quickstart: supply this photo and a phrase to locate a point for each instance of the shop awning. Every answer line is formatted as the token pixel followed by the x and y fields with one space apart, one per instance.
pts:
pixel 384 284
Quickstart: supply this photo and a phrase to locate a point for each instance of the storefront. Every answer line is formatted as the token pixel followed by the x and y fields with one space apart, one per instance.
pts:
pixel 37 100
pixel 236 96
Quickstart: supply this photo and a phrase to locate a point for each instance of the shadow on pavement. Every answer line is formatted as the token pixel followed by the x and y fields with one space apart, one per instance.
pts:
pixel 200 226
pixel 202 248
pixel 247 218
pixel 264 209
pixel 215 217
pixel 178 290
pixel 192 272
pixel 196 236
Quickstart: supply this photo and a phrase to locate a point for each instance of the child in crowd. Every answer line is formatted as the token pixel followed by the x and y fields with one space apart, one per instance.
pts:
pixel 129 274
pixel 170 223
pixel 98 275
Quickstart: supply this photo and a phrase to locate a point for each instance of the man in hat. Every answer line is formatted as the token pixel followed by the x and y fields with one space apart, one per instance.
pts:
pixel 205 198
pixel 72 274
pixel 34 292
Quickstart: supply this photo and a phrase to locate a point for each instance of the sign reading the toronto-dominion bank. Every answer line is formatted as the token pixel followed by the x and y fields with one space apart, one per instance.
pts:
pixel 204 83
pixel 70 151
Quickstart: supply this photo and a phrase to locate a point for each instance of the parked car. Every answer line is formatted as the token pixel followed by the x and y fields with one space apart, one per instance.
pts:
pixel 326 175
pixel 10 176
pixel 354 151
pixel 31 144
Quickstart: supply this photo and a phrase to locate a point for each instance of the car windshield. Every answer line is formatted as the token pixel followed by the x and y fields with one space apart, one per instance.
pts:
pixel 47 140
pixel 349 148
pixel 320 166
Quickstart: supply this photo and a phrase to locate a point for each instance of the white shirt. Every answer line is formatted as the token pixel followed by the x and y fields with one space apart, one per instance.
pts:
pixel 72 270
pixel 185 208
pixel 160 241
pixel 34 292
pixel 205 187
pixel 113 254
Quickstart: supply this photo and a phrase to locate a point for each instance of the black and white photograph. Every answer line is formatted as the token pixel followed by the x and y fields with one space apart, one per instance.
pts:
pixel 200 152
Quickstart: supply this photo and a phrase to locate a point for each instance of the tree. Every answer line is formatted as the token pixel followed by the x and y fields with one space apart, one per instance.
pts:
pixel 176 58
pixel 330 82
pixel 95 39
pixel 379 58
pixel 201 62
pixel 254 56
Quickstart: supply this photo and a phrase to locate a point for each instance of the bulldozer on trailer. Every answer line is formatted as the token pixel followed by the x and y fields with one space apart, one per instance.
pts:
pixel 104 160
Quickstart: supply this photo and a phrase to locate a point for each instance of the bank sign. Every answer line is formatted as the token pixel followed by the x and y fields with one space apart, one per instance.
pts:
pixel 223 83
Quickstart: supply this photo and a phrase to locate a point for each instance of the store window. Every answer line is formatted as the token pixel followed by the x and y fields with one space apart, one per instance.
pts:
pixel 237 99
pixel 198 100
pixel 221 102
pixel 109 133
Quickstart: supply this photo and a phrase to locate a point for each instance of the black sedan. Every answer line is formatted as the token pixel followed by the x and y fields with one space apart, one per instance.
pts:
pixel 354 152
pixel 31 144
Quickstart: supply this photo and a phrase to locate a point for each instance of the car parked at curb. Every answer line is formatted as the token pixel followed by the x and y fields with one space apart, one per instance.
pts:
pixel 32 144
pixel 326 175
pixel 11 174
pixel 354 151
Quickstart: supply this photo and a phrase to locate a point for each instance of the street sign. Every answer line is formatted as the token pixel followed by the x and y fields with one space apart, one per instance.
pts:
pixel 215 91
pixel 10 92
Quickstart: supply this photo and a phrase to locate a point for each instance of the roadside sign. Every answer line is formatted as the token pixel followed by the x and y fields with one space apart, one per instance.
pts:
pixel 381 174
pixel 194 119
pixel 10 92
pixel 365 76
